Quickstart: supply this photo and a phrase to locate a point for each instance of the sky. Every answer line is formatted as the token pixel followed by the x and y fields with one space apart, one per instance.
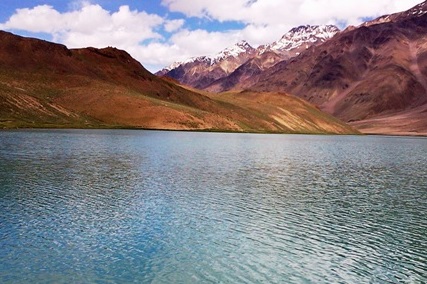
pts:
pixel 160 32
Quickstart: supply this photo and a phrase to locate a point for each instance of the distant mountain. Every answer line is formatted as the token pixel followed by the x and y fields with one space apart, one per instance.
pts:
pixel 299 39
pixel 291 44
pixel 374 75
pixel 43 84
pixel 246 72
pixel 199 72
pixel 416 11
pixel 210 73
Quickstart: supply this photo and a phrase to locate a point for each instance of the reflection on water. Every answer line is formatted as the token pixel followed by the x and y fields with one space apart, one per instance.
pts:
pixel 173 207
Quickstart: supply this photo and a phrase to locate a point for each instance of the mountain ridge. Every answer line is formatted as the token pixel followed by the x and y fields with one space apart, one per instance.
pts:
pixel 373 76
pixel 298 37
pixel 44 84
pixel 201 72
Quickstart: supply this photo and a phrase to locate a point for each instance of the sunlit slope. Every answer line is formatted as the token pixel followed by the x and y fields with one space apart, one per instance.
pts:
pixel 284 113
pixel 43 84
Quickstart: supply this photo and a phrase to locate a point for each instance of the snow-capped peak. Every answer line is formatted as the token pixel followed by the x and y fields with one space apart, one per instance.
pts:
pixel 301 35
pixel 189 60
pixel 416 11
pixel 233 51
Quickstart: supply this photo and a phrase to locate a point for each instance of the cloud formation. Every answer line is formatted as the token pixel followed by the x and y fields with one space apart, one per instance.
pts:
pixel 173 25
pixel 157 41
pixel 90 25
pixel 290 12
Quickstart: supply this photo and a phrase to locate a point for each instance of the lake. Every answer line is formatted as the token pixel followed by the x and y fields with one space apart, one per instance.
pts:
pixel 120 206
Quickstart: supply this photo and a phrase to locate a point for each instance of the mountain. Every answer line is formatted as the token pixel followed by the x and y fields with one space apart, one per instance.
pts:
pixel 212 73
pixel 199 72
pixel 416 11
pixel 299 39
pixel 43 84
pixel 291 44
pixel 373 76
pixel 47 84
pixel 244 73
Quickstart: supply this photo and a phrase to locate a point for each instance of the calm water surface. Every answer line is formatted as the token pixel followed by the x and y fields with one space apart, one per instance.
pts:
pixel 171 207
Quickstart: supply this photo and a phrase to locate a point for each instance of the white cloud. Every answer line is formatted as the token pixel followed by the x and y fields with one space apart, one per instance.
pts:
pixel 90 25
pixel 155 56
pixel 219 9
pixel 39 19
pixel 173 25
pixel 201 42
pixel 267 20
pixel 183 45
pixel 290 12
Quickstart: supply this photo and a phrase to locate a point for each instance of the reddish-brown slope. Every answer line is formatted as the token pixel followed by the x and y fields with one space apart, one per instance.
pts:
pixel 46 85
pixel 109 64
pixel 245 73
pixel 75 79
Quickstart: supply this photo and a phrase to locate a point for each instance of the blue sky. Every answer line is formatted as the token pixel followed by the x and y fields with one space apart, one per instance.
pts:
pixel 159 32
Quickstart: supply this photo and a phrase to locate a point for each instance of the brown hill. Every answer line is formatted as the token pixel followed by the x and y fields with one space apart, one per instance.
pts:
pixel 283 113
pixel 374 76
pixel 47 85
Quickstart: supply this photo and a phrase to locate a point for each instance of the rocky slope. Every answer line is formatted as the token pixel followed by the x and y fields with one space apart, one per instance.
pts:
pixel 43 84
pixel 374 76
pixel 246 72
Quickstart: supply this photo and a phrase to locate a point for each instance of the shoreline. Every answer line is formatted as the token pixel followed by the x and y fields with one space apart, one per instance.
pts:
pixel 212 131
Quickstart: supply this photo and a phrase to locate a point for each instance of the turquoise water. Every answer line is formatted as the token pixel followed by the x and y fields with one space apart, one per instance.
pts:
pixel 118 206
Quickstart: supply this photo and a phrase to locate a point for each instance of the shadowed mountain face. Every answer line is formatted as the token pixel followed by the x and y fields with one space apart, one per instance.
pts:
pixel 47 85
pixel 244 74
pixel 374 76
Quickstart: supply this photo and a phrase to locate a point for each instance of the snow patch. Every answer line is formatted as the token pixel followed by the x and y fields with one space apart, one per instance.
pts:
pixel 298 36
pixel 302 36
pixel 236 50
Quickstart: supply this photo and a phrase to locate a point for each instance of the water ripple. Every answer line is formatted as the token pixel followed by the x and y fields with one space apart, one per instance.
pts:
pixel 166 207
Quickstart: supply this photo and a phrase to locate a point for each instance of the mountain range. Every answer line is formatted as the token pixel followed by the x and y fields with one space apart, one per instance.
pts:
pixel 43 84
pixel 373 76
pixel 315 79
pixel 204 71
